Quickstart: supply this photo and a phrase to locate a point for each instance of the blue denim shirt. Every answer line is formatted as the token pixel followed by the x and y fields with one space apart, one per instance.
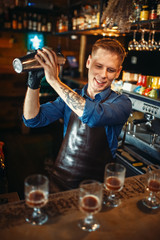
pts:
pixel 112 114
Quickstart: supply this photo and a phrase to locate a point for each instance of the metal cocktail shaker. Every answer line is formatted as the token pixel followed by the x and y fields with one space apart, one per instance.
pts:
pixel 28 62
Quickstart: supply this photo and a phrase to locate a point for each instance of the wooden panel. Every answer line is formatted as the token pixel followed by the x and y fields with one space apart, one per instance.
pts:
pixel 11 112
pixel 12 85
pixel 17 49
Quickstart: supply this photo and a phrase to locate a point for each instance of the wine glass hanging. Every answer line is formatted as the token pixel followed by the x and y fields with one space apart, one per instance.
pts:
pixel 144 45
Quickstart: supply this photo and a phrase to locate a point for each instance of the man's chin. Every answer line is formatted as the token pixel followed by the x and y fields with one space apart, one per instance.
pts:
pixel 102 87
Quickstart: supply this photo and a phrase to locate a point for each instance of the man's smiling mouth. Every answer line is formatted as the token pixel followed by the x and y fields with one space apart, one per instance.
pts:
pixel 99 82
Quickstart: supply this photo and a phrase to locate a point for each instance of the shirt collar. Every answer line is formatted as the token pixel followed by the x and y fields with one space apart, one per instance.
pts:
pixel 99 96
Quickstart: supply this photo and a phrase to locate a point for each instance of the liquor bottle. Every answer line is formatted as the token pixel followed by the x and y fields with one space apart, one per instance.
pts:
pixel 144 14
pixel 57 24
pixel 7 20
pixel 153 10
pixel 87 14
pixel 49 24
pixel 158 9
pixel 95 17
pixel 34 22
pixel 44 24
pixel 74 20
pixel 20 22
pixel 137 10
pixel 25 21
pixel 81 21
pixel 60 24
pixel 30 22
pixel 39 24
pixel 14 21
pixel 64 23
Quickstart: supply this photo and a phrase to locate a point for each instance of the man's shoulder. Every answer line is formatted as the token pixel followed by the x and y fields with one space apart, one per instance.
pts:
pixel 118 96
pixel 115 94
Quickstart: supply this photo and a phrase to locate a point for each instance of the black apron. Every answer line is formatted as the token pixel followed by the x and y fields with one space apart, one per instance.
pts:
pixel 83 154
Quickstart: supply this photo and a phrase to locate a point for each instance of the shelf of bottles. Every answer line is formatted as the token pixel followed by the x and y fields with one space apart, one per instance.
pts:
pixel 87 18
pixel 146 26
pixel 79 18
pixel 22 19
pixel 147 15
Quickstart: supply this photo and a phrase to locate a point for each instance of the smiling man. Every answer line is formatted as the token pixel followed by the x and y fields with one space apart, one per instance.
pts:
pixel 93 117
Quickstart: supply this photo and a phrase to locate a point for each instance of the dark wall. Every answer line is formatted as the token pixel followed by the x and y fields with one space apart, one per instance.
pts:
pixel 148 63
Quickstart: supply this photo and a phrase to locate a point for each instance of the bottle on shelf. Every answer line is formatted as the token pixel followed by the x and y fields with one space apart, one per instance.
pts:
pixel 158 9
pixel 44 24
pixel 60 24
pixel 30 22
pixel 39 24
pixel 7 19
pixel 144 13
pixel 153 10
pixel 34 22
pixel 74 20
pixel 137 10
pixel 14 21
pixel 65 24
pixel 20 22
pixel 96 16
pixel 25 21
pixel 49 24
pixel 57 24
pixel 81 20
pixel 86 13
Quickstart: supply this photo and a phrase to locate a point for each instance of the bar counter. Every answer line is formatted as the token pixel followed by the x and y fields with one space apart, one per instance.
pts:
pixel 130 220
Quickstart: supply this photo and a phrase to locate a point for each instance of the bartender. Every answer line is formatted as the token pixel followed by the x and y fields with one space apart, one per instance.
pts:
pixel 93 116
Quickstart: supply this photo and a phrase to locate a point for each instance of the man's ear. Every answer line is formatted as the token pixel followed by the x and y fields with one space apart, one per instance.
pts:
pixel 118 72
pixel 88 61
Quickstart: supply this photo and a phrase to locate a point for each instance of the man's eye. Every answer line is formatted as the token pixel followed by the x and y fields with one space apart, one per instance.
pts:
pixel 98 66
pixel 111 70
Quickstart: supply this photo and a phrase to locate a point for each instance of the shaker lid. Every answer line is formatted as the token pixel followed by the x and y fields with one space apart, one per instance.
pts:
pixel 17 65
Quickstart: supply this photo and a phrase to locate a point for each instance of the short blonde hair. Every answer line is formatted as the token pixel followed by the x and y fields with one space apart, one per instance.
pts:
pixel 111 45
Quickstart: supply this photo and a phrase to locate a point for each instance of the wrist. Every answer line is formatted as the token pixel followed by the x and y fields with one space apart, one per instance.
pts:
pixel 54 82
pixel 34 79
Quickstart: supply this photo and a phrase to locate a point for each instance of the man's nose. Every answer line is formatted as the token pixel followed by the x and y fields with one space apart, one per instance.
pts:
pixel 104 73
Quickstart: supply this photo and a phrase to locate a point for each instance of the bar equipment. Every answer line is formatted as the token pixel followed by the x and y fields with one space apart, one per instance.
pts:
pixel 141 146
pixel 28 62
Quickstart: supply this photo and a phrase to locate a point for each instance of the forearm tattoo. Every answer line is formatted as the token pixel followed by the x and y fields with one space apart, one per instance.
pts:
pixel 72 98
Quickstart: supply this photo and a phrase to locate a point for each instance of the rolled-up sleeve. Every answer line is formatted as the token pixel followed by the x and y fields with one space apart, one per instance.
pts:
pixel 49 112
pixel 114 111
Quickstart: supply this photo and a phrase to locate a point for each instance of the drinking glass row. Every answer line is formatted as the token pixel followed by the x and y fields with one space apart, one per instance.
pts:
pixel 142 44
pixel 91 197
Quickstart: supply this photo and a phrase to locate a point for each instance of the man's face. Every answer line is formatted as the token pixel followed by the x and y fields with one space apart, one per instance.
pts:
pixel 103 67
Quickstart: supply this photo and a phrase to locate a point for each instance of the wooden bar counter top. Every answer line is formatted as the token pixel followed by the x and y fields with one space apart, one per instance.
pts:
pixel 131 220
